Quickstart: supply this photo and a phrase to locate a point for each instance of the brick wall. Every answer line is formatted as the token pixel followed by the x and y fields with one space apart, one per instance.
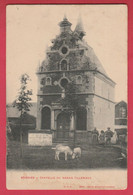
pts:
pixel 87 85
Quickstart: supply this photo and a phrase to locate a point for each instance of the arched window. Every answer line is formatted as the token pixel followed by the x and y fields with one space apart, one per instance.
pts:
pixel 46 118
pixel 79 79
pixel 81 119
pixel 63 65
pixel 48 81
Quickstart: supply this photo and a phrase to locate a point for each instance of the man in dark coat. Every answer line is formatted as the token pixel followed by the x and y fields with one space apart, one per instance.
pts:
pixel 108 136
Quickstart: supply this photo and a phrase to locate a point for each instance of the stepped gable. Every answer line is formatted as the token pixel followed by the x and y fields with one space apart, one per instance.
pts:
pixel 80 55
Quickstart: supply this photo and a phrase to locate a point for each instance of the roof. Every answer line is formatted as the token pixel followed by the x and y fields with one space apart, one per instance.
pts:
pixel 12 112
pixel 65 22
pixel 94 60
pixel 121 103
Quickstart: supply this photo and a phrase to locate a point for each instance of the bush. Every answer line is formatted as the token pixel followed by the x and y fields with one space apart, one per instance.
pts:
pixel 28 123
pixel 25 128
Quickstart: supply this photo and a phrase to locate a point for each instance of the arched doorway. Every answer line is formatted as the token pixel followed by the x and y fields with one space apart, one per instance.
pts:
pixel 63 125
pixel 81 119
pixel 46 118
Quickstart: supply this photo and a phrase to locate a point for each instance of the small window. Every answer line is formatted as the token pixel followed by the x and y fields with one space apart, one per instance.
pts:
pixel 63 65
pixel 41 68
pixel 43 81
pixel 122 112
pixel 79 79
pixel 48 81
pixel 64 50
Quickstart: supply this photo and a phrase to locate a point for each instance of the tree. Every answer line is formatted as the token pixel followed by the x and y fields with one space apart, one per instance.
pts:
pixel 70 102
pixel 22 102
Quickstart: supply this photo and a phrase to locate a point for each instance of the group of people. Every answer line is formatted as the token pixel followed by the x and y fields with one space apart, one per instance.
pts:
pixel 103 138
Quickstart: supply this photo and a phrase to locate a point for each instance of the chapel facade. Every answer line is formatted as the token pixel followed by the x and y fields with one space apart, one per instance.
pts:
pixel 70 61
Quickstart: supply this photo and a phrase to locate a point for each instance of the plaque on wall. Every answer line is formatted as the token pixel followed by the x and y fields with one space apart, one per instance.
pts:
pixel 39 139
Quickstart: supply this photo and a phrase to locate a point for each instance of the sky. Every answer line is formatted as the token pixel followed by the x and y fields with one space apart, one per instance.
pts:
pixel 30 29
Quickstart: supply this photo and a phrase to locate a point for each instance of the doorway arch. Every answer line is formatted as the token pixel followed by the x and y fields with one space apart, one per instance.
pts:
pixel 46 118
pixel 63 121
pixel 63 125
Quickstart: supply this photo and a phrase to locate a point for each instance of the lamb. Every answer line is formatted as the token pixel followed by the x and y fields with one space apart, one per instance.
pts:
pixel 76 153
pixel 62 149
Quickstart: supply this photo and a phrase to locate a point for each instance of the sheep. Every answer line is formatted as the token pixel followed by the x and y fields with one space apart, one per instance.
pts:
pixel 62 149
pixel 76 153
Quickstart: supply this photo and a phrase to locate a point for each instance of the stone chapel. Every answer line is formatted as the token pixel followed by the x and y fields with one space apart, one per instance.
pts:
pixel 70 60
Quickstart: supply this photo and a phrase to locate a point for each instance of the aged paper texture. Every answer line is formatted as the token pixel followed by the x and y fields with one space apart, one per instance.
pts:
pixel 74 136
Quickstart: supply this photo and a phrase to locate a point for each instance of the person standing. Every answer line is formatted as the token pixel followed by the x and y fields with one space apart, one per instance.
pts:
pixel 102 137
pixel 108 136
pixel 95 135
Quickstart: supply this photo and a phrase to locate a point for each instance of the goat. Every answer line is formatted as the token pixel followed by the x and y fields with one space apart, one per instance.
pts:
pixel 62 149
pixel 76 153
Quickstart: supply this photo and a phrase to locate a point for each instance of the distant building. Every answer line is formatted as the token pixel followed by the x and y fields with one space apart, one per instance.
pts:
pixel 71 60
pixel 13 114
pixel 121 117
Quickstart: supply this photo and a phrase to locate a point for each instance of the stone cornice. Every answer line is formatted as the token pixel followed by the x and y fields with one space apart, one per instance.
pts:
pixel 96 72
pixel 60 71
pixel 85 70
pixel 51 94
pixel 60 94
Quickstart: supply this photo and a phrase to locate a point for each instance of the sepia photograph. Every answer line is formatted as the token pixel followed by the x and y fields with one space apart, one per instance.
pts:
pixel 66 96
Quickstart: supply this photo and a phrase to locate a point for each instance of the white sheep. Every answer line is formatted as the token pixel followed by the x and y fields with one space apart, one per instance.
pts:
pixel 62 149
pixel 76 153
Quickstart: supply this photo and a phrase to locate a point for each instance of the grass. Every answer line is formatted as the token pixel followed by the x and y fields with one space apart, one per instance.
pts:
pixel 36 158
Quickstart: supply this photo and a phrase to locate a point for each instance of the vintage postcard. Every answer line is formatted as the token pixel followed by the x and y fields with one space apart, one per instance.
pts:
pixel 66 102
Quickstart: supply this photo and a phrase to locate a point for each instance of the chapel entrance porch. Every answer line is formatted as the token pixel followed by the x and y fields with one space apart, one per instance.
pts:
pixel 64 131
